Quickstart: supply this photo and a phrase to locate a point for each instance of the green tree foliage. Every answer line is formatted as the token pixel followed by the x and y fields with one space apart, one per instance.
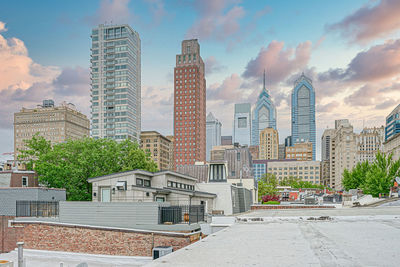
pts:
pixel 375 178
pixel 355 178
pixel 68 165
pixel 267 185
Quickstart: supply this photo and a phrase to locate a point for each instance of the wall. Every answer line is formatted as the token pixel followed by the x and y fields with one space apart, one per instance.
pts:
pixel 8 236
pixel 9 197
pixel 16 179
pixel 97 240
pixel 223 201
pixel 117 214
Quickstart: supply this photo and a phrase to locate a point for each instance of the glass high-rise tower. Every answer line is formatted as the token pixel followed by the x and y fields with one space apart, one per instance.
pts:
pixel 116 83
pixel 303 112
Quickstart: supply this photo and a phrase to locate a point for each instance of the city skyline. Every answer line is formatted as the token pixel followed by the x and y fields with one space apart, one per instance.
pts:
pixel 339 57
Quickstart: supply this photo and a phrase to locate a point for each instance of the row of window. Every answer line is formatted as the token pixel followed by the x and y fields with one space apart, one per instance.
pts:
pixel 180 185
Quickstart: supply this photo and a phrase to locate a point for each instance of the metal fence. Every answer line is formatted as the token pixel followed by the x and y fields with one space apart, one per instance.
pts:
pixel 182 214
pixel 28 208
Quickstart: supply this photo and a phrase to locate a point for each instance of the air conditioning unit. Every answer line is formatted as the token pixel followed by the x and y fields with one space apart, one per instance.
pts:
pixel 4 263
pixel 161 251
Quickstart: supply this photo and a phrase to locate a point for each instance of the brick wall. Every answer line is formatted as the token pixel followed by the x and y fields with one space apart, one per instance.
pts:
pixel 98 240
pixel 8 235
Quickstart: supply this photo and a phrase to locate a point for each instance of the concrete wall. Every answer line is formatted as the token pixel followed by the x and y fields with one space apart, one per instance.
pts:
pixel 9 197
pixel 223 201
pixel 121 214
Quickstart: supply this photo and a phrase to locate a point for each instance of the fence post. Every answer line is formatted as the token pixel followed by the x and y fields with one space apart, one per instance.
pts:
pixel 20 254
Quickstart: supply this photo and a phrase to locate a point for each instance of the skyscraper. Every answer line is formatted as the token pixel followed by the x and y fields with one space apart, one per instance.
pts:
pixel 116 83
pixel 303 112
pixel 269 144
pixel 189 105
pixel 213 128
pixel 264 115
pixel 392 123
pixel 242 124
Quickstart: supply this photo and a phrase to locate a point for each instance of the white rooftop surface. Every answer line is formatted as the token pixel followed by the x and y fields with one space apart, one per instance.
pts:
pixel 43 258
pixel 354 237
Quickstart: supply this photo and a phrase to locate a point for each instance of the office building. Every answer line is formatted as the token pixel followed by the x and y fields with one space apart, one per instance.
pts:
pixel 269 143
pixel 213 133
pixel 242 124
pixel 299 151
pixel 368 143
pixel 392 146
pixel 159 148
pixel 56 124
pixel 392 123
pixel 226 140
pixel 263 115
pixel 308 171
pixel 281 152
pixel 116 83
pixel 189 105
pixel 303 112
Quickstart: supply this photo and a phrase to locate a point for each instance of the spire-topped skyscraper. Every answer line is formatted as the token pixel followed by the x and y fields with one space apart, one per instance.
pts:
pixel 264 114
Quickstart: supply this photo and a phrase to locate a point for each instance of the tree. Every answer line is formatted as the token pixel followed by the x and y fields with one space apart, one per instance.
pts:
pixel 68 165
pixel 267 185
pixel 295 182
pixel 381 175
pixel 355 178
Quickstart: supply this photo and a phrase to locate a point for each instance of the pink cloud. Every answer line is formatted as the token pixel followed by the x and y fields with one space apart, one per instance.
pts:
pixel 370 22
pixel 229 91
pixel 212 65
pixel 2 27
pixel 214 22
pixel 115 11
pixel 278 62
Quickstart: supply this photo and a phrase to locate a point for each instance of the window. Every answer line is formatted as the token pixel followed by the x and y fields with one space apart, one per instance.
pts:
pixel 242 122
pixel 147 183
pixel 24 181
pixel 139 182
pixel 238 156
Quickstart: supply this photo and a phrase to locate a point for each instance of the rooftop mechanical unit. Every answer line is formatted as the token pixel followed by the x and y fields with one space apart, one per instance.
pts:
pixel 161 251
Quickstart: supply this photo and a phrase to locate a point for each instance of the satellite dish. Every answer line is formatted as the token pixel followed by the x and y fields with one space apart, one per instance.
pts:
pixel 398 180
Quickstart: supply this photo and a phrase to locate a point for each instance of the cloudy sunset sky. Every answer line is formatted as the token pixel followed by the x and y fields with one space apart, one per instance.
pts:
pixel 350 49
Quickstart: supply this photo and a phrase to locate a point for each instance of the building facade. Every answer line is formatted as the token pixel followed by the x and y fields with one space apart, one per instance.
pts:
pixel 159 148
pixel 281 152
pixel 326 148
pixel 300 151
pixel 242 124
pixel 213 133
pixel 189 105
pixel 369 142
pixel 263 115
pixel 392 146
pixel 308 171
pixel 116 83
pixel 56 124
pixel 392 123
pixel 303 112
pixel 171 152
pixel 269 144
pixel 226 140
pixel 255 152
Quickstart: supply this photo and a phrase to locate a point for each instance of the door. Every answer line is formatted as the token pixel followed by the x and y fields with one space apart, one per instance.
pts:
pixel 105 195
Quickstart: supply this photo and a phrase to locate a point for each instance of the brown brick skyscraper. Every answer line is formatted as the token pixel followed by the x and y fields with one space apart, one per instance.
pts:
pixel 189 105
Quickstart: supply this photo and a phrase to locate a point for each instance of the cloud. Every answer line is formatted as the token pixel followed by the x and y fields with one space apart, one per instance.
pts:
pixel 115 11
pixel 327 107
pixel 217 20
pixel 228 92
pixel 213 66
pixel 2 27
pixel 369 22
pixel 389 103
pixel 25 83
pixel 157 10
pixel 278 62
pixel 262 12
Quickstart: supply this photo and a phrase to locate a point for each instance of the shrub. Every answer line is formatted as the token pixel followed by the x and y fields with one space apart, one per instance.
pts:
pixel 268 198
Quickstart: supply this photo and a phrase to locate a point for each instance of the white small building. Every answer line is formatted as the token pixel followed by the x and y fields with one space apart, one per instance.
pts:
pixel 144 186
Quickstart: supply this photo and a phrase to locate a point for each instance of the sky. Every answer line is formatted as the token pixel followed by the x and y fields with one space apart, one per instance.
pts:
pixel 350 49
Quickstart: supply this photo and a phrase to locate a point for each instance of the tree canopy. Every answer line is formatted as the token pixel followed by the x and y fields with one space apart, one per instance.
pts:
pixel 375 178
pixel 68 165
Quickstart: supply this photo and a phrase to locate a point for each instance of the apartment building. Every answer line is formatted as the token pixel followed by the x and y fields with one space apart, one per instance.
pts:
pixel 55 123
pixel 300 151
pixel 308 171
pixel 159 148
pixel 268 144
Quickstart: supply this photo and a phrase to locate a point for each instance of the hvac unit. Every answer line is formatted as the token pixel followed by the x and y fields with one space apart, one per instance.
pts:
pixel 161 251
